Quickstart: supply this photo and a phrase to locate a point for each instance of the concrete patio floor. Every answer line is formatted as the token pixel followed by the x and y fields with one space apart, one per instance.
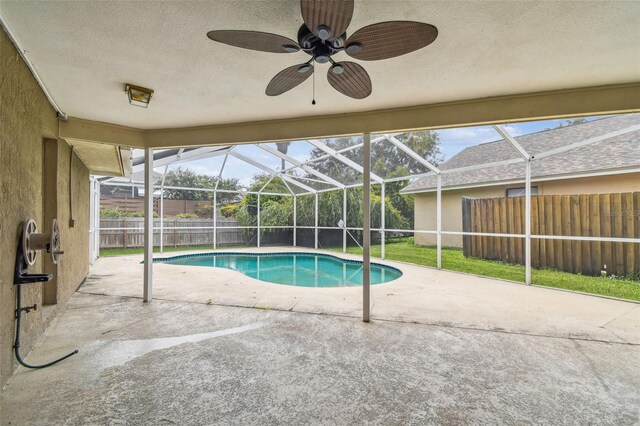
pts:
pixel 173 362
pixel 442 348
pixel 423 295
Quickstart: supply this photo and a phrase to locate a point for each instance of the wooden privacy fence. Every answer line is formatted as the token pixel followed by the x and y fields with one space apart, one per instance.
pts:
pixel 590 215
pixel 170 207
pixel 129 232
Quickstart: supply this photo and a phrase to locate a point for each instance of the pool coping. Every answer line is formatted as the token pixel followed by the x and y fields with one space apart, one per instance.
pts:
pixel 284 253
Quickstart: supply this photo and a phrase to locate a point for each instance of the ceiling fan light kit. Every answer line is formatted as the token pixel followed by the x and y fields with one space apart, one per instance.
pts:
pixel 323 35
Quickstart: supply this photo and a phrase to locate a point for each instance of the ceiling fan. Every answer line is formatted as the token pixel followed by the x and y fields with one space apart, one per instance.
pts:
pixel 323 35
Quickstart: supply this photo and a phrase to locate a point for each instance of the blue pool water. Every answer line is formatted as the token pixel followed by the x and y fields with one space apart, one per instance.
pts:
pixel 297 269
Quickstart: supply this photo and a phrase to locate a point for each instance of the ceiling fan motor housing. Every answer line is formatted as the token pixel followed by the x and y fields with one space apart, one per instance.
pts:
pixel 321 50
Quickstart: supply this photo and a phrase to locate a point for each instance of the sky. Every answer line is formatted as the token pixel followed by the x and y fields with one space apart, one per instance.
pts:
pixel 452 141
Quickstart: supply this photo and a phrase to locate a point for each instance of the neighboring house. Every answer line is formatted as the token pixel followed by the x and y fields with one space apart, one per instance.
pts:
pixel 610 164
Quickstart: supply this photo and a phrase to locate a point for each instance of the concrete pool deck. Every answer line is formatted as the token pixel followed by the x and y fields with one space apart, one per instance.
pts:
pixel 422 295
pixel 188 363
pixel 477 351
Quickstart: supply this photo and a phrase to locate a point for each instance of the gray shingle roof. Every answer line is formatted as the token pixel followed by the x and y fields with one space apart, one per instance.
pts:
pixel 615 153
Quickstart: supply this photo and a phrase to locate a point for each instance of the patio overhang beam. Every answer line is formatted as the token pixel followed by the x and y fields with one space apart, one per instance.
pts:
pixel 585 101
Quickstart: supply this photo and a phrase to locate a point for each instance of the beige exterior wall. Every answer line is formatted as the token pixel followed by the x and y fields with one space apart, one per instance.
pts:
pixel 425 203
pixel 35 185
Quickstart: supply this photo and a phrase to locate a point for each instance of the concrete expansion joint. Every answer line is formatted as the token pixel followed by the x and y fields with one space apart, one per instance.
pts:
pixel 620 316
pixel 387 320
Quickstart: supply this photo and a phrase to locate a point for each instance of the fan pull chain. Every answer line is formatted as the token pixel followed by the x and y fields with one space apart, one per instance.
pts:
pixel 313 102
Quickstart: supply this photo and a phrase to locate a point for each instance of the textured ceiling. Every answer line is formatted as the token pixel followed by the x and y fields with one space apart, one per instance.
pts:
pixel 86 51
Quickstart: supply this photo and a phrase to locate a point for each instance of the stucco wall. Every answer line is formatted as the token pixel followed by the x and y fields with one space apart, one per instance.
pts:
pixel 425 203
pixel 26 120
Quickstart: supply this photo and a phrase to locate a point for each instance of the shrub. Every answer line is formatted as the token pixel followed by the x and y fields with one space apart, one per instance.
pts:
pixel 112 212
pixel 229 211
pixel 186 216
pixel 205 211
pixel 115 212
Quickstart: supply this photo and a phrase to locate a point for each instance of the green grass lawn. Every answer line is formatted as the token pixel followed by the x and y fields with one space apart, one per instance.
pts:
pixel 453 259
pixel 140 250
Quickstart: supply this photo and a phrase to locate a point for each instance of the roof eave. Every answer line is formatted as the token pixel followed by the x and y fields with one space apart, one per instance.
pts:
pixel 567 176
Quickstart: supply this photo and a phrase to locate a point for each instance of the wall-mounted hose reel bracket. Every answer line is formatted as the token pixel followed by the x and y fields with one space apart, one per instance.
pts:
pixel 30 243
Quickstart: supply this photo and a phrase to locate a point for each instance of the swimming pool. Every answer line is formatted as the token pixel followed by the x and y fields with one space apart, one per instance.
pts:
pixel 296 269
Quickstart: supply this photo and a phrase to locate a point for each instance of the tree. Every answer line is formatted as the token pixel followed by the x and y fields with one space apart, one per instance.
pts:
pixel 570 122
pixel 275 210
pixel 387 160
pixel 189 179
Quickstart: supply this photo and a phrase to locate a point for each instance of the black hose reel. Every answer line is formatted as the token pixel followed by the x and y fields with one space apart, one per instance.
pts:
pixel 30 243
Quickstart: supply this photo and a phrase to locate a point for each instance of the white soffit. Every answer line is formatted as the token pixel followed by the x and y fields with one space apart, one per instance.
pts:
pixel 86 51
pixel 103 159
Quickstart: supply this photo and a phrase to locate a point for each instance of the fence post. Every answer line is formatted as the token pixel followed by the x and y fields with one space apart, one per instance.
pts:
pixel 124 233
pixel 175 233
pixel 466 227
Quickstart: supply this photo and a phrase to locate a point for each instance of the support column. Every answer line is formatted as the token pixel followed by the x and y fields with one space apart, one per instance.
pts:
pixel 148 225
pixel 366 225
pixel 382 220
pixel 161 220
pixel 215 219
pixel 295 221
pixel 315 245
pixel 92 223
pixel 258 238
pixel 527 230
pixel 439 220
pixel 164 175
pixel 344 219
pixel 97 220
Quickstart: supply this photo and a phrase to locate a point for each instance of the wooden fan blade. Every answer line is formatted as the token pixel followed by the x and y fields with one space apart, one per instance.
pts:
pixel 335 14
pixel 287 79
pixel 389 39
pixel 353 81
pixel 255 40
